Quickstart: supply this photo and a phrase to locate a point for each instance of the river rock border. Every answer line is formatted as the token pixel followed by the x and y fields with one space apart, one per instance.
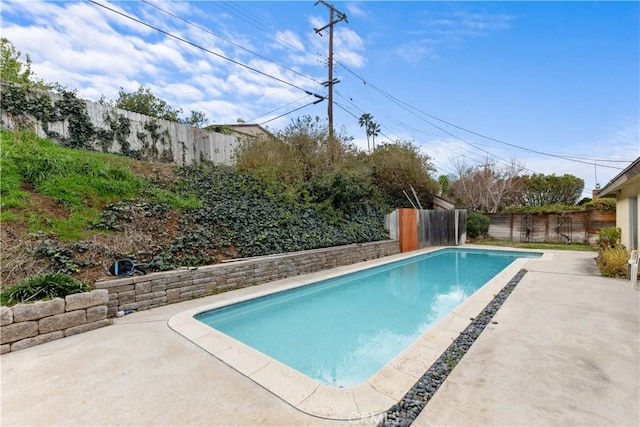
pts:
pixel 28 324
pixel 409 407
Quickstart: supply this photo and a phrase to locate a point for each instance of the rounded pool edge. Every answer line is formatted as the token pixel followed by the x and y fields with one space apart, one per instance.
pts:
pixel 374 396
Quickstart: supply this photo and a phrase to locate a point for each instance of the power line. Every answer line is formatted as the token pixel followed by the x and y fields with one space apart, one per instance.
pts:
pixel 276 109
pixel 243 15
pixel 432 158
pixel 445 131
pixel 289 112
pixel 230 42
pixel 260 25
pixel 409 107
pixel 207 50
pixel 492 155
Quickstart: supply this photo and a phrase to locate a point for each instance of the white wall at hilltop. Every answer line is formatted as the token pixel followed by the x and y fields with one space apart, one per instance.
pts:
pixel 174 142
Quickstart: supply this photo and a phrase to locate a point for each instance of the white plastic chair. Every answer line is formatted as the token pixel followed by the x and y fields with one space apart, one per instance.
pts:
pixel 634 260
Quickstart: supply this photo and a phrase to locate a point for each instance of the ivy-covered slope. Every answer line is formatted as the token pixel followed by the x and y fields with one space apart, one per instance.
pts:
pixel 259 218
pixel 77 211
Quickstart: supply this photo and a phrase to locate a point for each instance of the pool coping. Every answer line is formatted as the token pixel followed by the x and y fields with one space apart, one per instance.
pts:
pixel 374 396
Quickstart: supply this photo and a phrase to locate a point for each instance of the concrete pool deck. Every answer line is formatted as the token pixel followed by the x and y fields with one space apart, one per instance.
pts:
pixel 565 351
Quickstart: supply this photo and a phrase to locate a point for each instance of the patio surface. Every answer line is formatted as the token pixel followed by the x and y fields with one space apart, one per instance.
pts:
pixel 565 351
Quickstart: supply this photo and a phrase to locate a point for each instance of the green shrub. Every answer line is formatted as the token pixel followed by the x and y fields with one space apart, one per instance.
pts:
pixel 477 224
pixel 609 237
pixel 612 261
pixel 603 204
pixel 543 209
pixel 45 286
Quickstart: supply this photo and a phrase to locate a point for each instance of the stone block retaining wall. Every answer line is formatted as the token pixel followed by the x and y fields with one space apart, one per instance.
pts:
pixel 26 325
pixel 156 289
pixel 29 324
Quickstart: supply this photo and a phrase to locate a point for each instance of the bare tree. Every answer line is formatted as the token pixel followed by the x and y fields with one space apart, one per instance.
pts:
pixel 488 187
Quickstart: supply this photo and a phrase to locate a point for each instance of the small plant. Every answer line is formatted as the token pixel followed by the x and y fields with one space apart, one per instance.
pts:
pixel 612 261
pixel 609 237
pixel 477 224
pixel 46 286
pixel 61 257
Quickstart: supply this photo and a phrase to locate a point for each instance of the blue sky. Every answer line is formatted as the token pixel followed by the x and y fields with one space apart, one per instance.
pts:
pixel 559 78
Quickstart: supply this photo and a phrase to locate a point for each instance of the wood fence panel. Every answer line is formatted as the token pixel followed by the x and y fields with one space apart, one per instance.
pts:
pixel 568 227
pixel 500 226
pixel 423 228
pixel 408 227
pixel 461 236
pixel 441 227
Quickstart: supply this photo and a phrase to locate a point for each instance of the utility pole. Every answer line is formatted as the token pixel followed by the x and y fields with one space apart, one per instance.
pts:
pixel 331 81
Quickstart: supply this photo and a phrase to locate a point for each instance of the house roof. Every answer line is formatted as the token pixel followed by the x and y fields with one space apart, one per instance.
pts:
pixel 246 129
pixel 443 203
pixel 632 171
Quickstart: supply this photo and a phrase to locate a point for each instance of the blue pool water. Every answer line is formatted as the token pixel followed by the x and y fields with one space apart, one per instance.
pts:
pixel 342 330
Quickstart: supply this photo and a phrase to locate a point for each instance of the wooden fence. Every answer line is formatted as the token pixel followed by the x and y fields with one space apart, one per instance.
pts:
pixel 423 228
pixel 155 139
pixel 567 227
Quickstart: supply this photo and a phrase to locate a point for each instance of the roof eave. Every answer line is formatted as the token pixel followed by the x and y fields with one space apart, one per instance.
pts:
pixel 614 185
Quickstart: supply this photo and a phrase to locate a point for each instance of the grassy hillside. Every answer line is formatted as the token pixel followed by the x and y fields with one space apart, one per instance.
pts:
pixel 76 211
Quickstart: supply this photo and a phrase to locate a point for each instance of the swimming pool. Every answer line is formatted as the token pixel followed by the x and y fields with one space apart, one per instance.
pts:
pixel 341 331
pixel 390 356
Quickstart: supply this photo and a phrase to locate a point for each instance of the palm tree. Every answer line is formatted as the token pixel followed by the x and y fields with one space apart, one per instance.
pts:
pixel 365 121
pixel 374 130
pixel 371 127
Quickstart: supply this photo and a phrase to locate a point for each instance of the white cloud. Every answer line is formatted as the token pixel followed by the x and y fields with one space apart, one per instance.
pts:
pixel 440 29
pixel 355 10
pixel 287 40
pixel 349 48
pixel 416 50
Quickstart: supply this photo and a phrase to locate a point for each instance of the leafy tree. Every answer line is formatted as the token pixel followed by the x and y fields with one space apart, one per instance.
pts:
pixel 542 190
pixel 444 185
pixel 488 187
pixel 143 101
pixel 400 169
pixel 13 69
pixel 197 119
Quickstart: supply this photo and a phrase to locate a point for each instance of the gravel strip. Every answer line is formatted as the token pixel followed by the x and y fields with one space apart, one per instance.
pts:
pixel 407 410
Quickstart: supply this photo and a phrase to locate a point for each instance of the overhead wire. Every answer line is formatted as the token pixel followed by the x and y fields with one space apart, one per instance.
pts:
pixel 259 24
pixel 394 99
pixel 206 30
pixel 276 109
pixel 243 15
pixel 439 164
pixel 397 138
pixel 411 109
pixel 492 155
pixel 167 33
pixel 288 112
pixel 469 152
